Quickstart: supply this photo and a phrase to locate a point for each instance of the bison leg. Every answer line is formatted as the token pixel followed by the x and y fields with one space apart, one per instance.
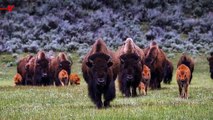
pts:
pixel 180 89
pixel 186 92
pixel 127 91
pixel 134 93
pixel 109 94
pixel 98 101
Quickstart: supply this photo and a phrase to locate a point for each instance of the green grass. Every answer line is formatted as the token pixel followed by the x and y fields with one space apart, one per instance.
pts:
pixel 72 102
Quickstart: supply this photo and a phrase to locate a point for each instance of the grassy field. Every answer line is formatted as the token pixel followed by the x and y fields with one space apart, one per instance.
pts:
pixel 72 102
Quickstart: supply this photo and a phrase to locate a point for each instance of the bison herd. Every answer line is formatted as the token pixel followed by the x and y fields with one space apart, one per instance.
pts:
pixel 135 68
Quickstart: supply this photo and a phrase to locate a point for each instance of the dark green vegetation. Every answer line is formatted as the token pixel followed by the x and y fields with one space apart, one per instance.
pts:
pixel 72 102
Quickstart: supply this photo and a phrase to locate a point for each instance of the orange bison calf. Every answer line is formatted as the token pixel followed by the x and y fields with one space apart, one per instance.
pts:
pixel 74 79
pixel 142 88
pixel 17 79
pixel 146 76
pixel 63 76
pixel 183 75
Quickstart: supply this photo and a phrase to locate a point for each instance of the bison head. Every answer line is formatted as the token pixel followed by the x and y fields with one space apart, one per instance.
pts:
pixel 66 65
pixel 99 64
pixel 41 68
pixel 131 66
pixel 210 59
pixel 151 57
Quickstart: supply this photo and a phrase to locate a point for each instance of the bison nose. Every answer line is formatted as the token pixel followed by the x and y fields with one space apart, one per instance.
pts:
pixel 101 81
pixel 44 75
pixel 129 77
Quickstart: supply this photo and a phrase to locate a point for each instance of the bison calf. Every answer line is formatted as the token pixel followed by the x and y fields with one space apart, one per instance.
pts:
pixel 146 76
pixel 17 79
pixel 183 75
pixel 142 88
pixel 63 76
pixel 74 79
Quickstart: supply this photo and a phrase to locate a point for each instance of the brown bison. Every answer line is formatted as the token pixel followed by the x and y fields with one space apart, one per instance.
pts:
pixel 74 79
pixel 130 67
pixel 186 60
pixel 17 79
pixel 210 59
pixel 155 60
pixel 99 72
pixel 168 71
pixel 63 76
pixel 56 65
pixel 146 76
pixel 22 70
pixel 40 70
pixel 30 71
pixel 183 75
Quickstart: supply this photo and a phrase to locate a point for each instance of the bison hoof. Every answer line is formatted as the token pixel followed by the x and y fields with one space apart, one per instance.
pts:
pixel 106 104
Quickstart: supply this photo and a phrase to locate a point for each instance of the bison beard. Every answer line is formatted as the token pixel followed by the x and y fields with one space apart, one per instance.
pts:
pixel 130 74
pixel 100 79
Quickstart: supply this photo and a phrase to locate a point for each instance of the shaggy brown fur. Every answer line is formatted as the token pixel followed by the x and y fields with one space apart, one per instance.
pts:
pixel 168 71
pixel 63 76
pixel 183 75
pixel 210 60
pixel 99 69
pixel 146 76
pixel 56 65
pixel 128 49
pixel 155 59
pixel 21 68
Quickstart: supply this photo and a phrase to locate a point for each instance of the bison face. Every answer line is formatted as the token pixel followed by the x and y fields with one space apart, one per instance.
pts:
pixel 99 64
pixel 210 59
pixel 41 68
pixel 66 65
pixel 151 57
pixel 130 66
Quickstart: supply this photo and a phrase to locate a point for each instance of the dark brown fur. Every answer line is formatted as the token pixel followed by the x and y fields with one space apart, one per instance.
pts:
pixel 210 60
pixel 99 72
pixel 21 68
pixel 168 71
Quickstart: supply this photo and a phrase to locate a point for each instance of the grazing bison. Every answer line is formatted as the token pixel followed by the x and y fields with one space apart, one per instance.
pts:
pixel 130 67
pixel 210 59
pixel 186 60
pixel 56 65
pixel 146 76
pixel 142 88
pixel 21 68
pixel 63 76
pixel 74 79
pixel 17 79
pixel 155 60
pixel 40 71
pixel 183 75
pixel 99 72
pixel 168 71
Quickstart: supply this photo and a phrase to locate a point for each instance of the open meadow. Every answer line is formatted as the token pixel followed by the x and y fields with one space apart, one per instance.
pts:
pixel 72 102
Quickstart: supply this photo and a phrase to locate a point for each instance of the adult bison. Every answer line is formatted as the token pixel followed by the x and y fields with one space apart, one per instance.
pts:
pixel 22 70
pixel 168 71
pixel 210 59
pixel 99 72
pixel 155 60
pixel 186 60
pixel 61 62
pixel 40 70
pixel 130 67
